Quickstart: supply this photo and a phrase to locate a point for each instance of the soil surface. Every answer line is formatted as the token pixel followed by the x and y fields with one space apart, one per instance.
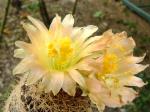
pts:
pixel 106 14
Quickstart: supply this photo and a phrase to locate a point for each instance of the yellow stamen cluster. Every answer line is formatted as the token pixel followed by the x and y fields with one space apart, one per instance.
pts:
pixel 110 63
pixel 59 51
pixel 60 47
pixel 109 66
pixel 52 50
pixel 65 47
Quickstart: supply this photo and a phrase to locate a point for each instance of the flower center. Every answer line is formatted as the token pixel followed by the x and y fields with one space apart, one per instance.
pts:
pixel 110 64
pixel 59 50
pixel 60 47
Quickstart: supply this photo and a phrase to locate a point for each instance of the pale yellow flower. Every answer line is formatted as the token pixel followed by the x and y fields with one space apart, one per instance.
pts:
pixel 115 71
pixel 56 55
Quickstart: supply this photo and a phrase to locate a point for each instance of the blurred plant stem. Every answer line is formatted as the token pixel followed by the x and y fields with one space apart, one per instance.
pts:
pixel 75 7
pixel 44 14
pixel 4 19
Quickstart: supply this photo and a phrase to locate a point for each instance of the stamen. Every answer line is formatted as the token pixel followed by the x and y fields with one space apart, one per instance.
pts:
pixel 110 64
pixel 60 50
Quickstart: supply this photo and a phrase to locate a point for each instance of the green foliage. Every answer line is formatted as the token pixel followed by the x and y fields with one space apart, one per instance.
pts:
pixel 138 51
pixel 145 40
pixel 128 23
pixel 33 6
pixel 99 14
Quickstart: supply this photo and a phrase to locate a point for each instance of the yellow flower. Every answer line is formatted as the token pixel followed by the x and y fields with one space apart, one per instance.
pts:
pixel 56 55
pixel 112 81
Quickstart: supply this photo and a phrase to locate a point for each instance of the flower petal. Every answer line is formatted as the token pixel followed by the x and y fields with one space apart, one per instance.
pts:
pixel 92 39
pixel 56 82
pixel 119 97
pixel 55 23
pixel 113 102
pixel 134 81
pixel 38 24
pixel 130 69
pixel 136 68
pixel 123 47
pixel 94 85
pixel 69 85
pixel 132 59
pixel 68 20
pixel 23 45
pixel 35 75
pixel 127 94
pixel 23 66
pixel 76 32
pixel 77 77
pixel 98 101
pixel 45 83
pixel 101 42
pixel 32 31
pixel 88 31
pixel 85 65
pixel 83 33
pixel 19 53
